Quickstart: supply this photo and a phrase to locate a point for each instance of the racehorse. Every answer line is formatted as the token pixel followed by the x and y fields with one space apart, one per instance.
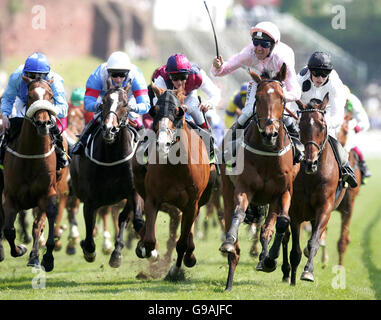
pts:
pixel 102 175
pixel 184 184
pixel 268 171
pixel 316 188
pixel 30 178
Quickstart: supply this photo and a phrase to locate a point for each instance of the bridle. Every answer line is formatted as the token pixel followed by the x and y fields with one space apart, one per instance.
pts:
pixel 268 121
pixel 321 146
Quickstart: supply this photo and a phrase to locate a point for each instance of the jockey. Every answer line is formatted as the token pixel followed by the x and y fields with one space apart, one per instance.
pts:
pixel 16 95
pixel 358 123
pixel 236 104
pixel 265 53
pixel 120 69
pixel 317 79
pixel 180 72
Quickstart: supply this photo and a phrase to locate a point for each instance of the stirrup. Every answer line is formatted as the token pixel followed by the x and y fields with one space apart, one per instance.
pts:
pixel 348 176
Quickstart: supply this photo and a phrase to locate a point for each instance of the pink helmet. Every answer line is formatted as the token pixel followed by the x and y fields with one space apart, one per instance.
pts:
pixel 268 28
pixel 178 63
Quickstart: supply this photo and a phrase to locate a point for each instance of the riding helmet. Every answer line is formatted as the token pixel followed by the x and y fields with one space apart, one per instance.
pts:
pixel 37 63
pixel 320 60
pixel 118 61
pixel 178 63
pixel 265 30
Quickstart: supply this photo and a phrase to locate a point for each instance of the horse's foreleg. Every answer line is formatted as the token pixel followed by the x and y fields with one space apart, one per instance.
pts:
pixel 148 243
pixel 296 252
pixel 38 227
pixel 88 245
pixel 322 218
pixel 241 201
pixel 116 256
pixel 344 234
pixel 58 230
pixel 285 264
pixel 51 213
pixel 73 237
pixel 2 253
pixel 9 230
pixel 23 222
pixel 175 218
pixel 281 226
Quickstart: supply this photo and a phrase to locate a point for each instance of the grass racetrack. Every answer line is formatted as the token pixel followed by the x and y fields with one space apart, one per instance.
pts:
pixel 74 278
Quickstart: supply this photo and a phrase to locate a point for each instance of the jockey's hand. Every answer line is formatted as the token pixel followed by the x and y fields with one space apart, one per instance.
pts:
pixel 6 123
pixel 204 107
pixel 217 62
pixel 131 106
pixel 185 107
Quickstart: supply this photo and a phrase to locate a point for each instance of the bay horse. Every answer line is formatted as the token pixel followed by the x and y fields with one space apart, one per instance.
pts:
pixel 102 174
pixel 317 191
pixel 183 184
pixel 30 177
pixel 268 171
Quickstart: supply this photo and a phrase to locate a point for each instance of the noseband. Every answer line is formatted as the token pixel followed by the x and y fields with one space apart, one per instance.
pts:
pixel 322 146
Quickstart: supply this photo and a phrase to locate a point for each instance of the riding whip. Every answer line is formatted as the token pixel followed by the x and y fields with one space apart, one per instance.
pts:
pixel 214 32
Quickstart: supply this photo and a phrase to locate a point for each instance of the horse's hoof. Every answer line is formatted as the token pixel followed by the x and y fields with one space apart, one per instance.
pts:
pixel 70 250
pixel 58 245
pixel 259 266
pixel 286 280
pixel 141 252
pixel 306 252
pixel 154 257
pixel 190 260
pixel 47 262
pixel 175 274
pixel 227 247
pixel 89 256
pixel 269 265
pixel 115 260
pixel 34 262
pixel 307 276
pixel 20 250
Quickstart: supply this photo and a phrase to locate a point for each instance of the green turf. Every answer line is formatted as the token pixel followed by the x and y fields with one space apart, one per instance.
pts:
pixel 74 278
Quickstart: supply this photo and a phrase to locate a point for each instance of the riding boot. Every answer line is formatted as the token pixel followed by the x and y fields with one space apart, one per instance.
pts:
pixel 341 156
pixel 365 173
pixel 62 160
pixel 3 144
pixel 299 147
pixel 81 143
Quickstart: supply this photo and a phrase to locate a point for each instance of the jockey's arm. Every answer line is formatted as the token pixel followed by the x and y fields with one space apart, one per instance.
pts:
pixel 359 114
pixel 140 92
pixel 10 94
pixel 335 108
pixel 94 87
pixel 211 90
pixel 59 96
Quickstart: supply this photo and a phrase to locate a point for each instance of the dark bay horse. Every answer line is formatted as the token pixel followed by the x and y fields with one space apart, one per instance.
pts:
pixel 30 178
pixel 267 175
pixel 316 192
pixel 182 184
pixel 102 175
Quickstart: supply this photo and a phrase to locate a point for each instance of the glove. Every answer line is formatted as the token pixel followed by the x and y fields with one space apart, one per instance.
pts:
pixel 6 123
pixel 205 106
pixel 217 62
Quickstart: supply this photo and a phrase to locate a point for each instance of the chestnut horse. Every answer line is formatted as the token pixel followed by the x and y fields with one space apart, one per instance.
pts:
pixel 268 171
pixel 316 192
pixel 182 184
pixel 102 175
pixel 30 178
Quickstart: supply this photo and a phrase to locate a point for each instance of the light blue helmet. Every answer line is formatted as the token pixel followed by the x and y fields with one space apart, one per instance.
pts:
pixel 37 63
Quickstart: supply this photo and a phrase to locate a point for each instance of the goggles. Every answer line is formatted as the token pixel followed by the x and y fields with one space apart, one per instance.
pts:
pixel 178 76
pixel 36 75
pixel 263 43
pixel 118 74
pixel 320 72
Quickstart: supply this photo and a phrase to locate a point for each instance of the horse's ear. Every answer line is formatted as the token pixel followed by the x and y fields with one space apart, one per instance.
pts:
pixel 325 101
pixel 109 83
pixel 153 111
pixel 282 73
pixel 300 104
pixel 158 91
pixel 26 79
pixel 180 94
pixel 256 77
pixel 128 86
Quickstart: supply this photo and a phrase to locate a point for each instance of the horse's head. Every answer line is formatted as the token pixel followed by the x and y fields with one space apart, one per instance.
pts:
pixel 168 115
pixel 39 107
pixel 269 105
pixel 114 111
pixel 313 131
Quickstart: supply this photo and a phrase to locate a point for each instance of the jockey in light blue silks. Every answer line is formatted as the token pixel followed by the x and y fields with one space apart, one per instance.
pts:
pixel 120 69
pixel 16 95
